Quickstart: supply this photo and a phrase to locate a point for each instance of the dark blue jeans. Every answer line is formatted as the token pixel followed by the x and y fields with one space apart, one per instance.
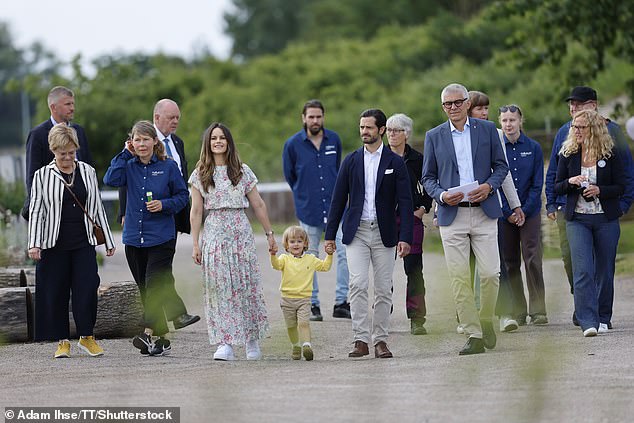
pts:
pixel 593 241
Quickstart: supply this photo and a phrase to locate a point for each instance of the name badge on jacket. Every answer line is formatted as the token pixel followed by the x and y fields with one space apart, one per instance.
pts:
pixel 388 171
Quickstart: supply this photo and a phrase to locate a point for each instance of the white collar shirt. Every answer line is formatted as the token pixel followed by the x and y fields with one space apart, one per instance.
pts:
pixel 370 173
pixel 462 147
pixel 168 140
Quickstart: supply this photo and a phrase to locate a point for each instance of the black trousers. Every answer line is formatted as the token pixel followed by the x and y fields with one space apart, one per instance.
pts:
pixel 57 274
pixel 415 297
pixel 151 269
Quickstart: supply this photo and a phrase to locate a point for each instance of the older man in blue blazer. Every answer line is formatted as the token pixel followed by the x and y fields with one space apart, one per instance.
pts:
pixel 458 152
pixel 373 183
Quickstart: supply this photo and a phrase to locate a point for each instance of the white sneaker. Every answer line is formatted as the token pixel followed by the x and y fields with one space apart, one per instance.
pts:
pixel 508 324
pixel 460 329
pixel 253 350
pixel 603 328
pixel 224 353
pixel 590 332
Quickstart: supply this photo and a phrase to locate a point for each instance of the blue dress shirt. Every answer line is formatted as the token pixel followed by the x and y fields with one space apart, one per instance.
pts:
pixel 526 164
pixel 312 174
pixel 161 177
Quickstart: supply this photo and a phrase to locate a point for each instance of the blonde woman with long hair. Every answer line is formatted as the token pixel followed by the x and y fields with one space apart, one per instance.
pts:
pixel 590 173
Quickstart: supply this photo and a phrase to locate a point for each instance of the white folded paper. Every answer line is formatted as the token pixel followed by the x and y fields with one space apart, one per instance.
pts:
pixel 465 189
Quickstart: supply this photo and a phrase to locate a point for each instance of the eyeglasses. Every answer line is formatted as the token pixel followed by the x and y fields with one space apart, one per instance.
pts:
pixel 579 127
pixel 395 130
pixel 510 108
pixel 458 103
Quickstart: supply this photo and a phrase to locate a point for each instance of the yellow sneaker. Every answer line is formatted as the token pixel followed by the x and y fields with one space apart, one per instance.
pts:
pixel 89 345
pixel 63 350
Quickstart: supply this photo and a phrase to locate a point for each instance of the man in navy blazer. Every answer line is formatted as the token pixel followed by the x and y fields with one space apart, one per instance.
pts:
pixel 61 103
pixel 372 185
pixel 457 152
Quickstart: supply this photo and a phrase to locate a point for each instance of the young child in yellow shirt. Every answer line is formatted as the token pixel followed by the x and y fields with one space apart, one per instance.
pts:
pixel 297 287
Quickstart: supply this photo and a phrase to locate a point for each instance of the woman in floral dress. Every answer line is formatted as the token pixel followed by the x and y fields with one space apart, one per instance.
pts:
pixel 224 186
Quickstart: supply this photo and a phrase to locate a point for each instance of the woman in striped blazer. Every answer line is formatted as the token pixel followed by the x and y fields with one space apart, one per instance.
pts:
pixel 62 242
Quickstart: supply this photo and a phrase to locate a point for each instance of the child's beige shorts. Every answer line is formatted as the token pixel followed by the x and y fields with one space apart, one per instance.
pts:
pixel 295 310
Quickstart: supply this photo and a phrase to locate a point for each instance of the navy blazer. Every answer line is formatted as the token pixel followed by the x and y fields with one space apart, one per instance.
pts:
pixel 440 166
pixel 610 180
pixel 39 155
pixel 392 192
pixel 181 219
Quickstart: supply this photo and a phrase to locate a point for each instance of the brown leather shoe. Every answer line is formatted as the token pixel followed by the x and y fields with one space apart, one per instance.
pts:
pixel 381 351
pixel 360 349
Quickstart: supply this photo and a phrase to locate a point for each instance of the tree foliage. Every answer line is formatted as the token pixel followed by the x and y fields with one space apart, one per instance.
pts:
pixel 260 27
pixel 552 30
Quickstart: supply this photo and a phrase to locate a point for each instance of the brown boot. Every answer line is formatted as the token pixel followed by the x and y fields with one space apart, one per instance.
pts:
pixel 360 349
pixel 381 350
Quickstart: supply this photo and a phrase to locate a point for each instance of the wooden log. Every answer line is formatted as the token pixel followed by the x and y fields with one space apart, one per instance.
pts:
pixel 15 322
pixel 119 310
pixel 11 277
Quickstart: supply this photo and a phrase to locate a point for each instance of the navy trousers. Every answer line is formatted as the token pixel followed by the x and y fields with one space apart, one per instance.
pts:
pixel 57 274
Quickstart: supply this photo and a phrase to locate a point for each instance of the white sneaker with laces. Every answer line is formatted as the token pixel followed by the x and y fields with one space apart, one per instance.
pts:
pixel 253 350
pixel 224 353
pixel 460 329
pixel 590 332
pixel 603 328
pixel 508 324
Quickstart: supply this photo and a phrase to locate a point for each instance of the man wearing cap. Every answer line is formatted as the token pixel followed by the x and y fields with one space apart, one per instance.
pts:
pixel 583 98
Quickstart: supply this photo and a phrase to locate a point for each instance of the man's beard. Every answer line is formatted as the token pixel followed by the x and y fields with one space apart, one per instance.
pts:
pixel 370 140
pixel 314 131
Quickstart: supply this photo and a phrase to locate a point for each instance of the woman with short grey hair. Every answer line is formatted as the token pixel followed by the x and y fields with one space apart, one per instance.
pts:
pixel 399 131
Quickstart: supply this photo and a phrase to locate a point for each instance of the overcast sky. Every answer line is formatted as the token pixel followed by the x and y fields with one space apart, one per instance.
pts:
pixel 94 28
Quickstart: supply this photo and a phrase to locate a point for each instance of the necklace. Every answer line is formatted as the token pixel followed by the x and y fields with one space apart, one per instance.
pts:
pixel 71 178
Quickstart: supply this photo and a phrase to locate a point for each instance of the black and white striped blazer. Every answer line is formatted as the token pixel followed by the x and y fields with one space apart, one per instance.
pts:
pixel 45 211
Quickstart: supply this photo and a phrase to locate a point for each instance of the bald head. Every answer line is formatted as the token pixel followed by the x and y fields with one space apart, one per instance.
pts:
pixel 166 116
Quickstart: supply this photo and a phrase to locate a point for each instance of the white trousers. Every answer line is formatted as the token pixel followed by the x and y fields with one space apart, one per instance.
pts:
pixel 472 229
pixel 367 248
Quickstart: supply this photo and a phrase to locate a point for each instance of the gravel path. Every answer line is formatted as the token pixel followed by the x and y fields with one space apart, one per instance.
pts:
pixel 536 374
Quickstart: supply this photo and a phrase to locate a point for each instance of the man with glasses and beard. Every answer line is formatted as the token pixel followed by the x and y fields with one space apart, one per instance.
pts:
pixel 311 160
pixel 460 152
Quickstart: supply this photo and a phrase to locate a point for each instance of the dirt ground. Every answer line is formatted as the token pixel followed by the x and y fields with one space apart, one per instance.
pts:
pixel 536 374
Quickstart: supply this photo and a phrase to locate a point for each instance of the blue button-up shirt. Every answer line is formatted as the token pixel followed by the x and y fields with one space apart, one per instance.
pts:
pixel 554 201
pixel 164 180
pixel 526 164
pixel 312 174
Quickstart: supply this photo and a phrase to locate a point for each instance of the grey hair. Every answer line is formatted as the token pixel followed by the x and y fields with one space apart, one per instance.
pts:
pixel 57 92
pixel 454 88
pixel 401 121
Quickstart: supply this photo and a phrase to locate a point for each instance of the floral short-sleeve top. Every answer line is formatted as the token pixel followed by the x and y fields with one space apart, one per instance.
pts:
pixel 224 195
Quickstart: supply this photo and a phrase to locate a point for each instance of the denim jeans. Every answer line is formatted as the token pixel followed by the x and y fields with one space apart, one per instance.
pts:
pixel 314 237
pixel 593 241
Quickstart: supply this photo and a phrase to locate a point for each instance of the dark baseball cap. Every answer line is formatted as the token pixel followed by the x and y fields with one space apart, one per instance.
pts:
pixel 582 94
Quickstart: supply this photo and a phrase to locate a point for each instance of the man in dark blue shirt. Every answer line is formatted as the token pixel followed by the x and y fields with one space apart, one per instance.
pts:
pixel 583 98
pixel 311 160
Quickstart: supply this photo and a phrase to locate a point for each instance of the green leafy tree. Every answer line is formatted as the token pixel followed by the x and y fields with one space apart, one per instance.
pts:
pixel 592 30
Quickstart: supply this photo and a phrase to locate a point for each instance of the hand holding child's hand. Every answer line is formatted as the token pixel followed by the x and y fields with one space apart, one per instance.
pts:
pixel 329 247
